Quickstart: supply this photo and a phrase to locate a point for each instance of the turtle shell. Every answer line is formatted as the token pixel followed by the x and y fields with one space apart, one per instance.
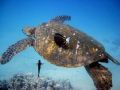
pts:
pixel 66 46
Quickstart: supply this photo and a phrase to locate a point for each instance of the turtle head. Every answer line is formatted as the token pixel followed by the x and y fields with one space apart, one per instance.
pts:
pixel 29 31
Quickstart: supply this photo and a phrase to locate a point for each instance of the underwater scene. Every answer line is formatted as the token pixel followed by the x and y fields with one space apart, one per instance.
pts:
pixel 59 45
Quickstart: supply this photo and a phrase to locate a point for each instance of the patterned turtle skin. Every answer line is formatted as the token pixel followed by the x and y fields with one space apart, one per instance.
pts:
pixel 66 46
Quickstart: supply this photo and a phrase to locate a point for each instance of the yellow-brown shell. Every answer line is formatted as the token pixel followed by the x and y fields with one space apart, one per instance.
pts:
pixel 82 49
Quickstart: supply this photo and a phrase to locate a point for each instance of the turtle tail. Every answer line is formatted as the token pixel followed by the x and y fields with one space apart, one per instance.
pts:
pixel 15 49
pixel 112 58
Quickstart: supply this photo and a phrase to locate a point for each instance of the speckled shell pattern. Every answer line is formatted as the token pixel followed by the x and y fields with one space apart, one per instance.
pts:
pixel 83 49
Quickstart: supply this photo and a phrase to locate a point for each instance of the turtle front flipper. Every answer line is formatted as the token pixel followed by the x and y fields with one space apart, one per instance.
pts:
pixel 101 76
pixel 14 49
pixel 61 19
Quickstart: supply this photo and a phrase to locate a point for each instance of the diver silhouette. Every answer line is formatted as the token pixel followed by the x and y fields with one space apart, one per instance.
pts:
pixel 39 66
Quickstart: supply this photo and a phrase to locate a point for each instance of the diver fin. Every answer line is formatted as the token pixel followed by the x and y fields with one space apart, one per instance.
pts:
pixel 101 76
pixel 14 49
pixel 112 59
pixel 61 19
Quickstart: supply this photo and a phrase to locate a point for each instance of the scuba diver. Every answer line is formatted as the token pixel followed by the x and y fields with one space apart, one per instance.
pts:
pixel 39 66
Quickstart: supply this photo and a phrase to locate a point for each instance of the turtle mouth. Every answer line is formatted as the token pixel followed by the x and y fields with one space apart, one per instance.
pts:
pixel 60 40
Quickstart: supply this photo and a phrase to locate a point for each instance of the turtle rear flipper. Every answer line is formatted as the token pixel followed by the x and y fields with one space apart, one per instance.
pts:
pixel 14 49
pixel 101 76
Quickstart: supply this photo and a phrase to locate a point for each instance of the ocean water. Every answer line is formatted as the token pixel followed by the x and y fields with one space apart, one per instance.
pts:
pixel 98 18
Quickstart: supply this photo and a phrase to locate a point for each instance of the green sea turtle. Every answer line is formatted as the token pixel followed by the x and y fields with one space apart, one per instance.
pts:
pixel 66 46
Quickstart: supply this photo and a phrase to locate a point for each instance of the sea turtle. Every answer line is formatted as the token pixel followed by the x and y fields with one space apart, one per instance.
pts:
pixel 66 46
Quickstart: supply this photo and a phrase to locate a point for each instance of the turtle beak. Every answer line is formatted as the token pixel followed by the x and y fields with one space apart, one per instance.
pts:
pixel 29 31
pixel 26 31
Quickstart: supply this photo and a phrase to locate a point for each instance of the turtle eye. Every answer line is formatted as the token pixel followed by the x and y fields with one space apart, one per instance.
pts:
pixel 60 40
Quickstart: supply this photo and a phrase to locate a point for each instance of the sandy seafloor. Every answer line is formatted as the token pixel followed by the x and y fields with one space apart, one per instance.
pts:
pixel 99 19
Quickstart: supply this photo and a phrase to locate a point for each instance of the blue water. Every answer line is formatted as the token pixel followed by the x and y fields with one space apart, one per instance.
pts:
pixel 98 18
